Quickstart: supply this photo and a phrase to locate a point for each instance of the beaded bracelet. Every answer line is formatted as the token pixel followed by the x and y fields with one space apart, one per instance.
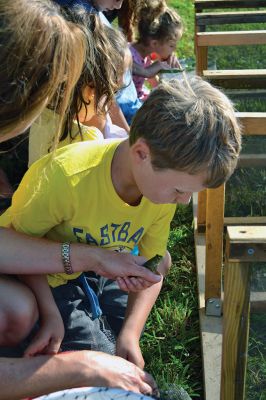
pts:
pixel 65 254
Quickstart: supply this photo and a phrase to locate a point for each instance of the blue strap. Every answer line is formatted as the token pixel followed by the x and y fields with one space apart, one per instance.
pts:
pixel 92 297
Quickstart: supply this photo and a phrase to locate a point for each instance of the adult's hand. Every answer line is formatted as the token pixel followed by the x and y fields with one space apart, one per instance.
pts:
pixel 113 371
pixel 113 265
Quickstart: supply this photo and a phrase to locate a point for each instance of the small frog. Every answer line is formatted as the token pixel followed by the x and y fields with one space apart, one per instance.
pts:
pixel 152 263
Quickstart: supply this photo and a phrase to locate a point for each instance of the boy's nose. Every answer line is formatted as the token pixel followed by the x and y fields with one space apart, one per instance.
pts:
pixel 183 198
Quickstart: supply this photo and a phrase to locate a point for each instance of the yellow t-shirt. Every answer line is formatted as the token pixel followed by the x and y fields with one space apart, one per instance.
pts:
pixel 71 197
pixel 43 130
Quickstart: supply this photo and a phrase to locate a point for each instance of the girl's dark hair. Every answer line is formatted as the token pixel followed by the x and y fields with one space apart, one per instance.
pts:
pixel 157 21
pixel 103 65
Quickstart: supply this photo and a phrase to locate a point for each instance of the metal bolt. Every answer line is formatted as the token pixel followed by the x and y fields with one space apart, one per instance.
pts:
pixel 251 251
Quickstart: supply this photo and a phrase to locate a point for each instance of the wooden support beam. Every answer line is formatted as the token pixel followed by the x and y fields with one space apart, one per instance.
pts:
pixel 201 5
pixel 201 59
pixel 214 242
pixel 236 308
pixel 244 245
pixel 232 38
pixel 236 17
pixel 252 161
pixel 237 79
pixel 247 243
pixel 254 123
pixel 245 221
pixel 201 210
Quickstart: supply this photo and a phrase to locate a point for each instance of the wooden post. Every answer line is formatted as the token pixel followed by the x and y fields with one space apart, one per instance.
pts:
pixel 214 242
pixel 201 211
pixel 245 244
pixel 235 330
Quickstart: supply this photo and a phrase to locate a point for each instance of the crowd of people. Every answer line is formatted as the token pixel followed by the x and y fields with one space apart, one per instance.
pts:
pixel 107 165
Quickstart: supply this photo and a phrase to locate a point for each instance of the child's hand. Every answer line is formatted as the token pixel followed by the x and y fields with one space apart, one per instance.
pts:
pixel 49 337
pixel 173 61
pixel 127 347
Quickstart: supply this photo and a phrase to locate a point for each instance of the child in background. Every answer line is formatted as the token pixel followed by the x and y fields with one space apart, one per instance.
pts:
pixel 159 30
pixel 116 194
pixel 87 118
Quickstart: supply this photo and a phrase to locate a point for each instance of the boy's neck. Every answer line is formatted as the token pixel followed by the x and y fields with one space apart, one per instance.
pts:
pixel 122 177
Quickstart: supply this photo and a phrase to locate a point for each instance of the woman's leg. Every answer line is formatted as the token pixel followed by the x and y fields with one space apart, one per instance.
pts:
pixel 18 311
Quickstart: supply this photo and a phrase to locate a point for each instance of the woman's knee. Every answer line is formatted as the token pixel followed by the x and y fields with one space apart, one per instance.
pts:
pixel 18 312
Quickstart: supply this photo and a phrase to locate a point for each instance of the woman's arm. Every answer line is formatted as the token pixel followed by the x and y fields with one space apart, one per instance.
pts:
pixel 23 254
pixel 31 377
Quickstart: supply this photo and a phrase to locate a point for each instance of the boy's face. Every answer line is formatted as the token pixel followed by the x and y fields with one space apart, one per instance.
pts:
pixel 106 5
pixel 163 186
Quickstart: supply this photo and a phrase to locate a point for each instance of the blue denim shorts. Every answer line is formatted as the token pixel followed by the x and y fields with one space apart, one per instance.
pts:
pixel 82 332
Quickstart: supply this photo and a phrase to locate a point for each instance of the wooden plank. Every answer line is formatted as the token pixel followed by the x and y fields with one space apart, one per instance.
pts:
pixel 236 17
pixel 214 241
pixel 252 160
pixel 258 94
pixel 214 4
pixel 247 234
pixel 232 38
pixel 201 59
pixel 258 302
pixel 201 208
pixel 245 221
pixel 234 73
pixel 236 308
pixel 253 123
pixel 247 243
pixel 210 328
pixel 237 79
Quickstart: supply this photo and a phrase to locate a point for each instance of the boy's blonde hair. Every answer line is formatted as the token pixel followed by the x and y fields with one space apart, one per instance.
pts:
pixel 41 55
pixel 190 126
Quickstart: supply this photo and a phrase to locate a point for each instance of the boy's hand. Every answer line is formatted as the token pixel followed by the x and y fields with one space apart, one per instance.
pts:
pixel 127 347
pixel 49 337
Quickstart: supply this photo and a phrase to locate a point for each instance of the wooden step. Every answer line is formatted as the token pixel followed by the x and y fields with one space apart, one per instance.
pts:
pixel 232 38
pixel 201 5
pixel 236 17
pixel 254 123
pixel 252 161
pixel 237 79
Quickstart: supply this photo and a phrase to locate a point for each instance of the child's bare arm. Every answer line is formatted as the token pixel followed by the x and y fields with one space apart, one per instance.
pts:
pixel 51 332
pixel 151 70
pixel 138 310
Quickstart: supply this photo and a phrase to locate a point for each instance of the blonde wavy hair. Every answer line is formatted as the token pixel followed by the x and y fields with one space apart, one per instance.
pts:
pixel 42 54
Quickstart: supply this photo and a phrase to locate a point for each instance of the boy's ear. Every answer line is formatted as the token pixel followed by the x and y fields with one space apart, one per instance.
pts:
pixel 141 150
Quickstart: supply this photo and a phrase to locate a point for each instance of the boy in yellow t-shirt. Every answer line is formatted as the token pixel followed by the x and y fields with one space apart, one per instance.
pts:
pixel 117 194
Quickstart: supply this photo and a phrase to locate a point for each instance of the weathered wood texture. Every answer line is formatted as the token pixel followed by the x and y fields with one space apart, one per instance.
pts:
pixel 236 17
pixel 201 5
pixel 214 241
pixel 237 79
pixel 232 38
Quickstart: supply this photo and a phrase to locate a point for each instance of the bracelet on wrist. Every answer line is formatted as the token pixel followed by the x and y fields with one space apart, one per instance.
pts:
pixel 65 254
